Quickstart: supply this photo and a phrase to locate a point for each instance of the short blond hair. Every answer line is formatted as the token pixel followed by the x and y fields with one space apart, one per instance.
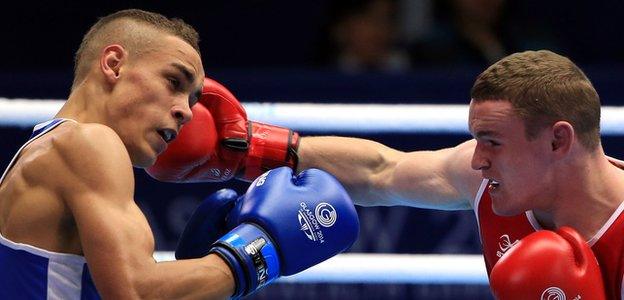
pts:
pixel 131 29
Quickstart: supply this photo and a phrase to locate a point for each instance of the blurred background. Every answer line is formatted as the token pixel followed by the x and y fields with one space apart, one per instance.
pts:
pixel 342 51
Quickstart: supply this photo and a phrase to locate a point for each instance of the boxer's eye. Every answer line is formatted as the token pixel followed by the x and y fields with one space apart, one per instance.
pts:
pixel 493 143
pixel 174 82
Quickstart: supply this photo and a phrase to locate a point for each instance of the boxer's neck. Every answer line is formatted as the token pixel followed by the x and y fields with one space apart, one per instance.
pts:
pixel 86 103
pixel 588 192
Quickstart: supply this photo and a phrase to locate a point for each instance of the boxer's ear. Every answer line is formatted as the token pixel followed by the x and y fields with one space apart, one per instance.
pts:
pixel 111 60
pixel 563 136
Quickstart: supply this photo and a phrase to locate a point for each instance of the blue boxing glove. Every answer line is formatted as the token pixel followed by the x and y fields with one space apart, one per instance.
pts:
pixel 284 225
pixel 206 225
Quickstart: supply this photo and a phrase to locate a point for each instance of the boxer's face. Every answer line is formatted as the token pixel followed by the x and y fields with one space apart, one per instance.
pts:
pixel 517 166
pixel 153 98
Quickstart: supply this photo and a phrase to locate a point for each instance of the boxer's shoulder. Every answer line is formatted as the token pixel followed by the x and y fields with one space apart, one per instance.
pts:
pixel 616 162
pixel 90 136
pixel 84 153
pixel 70 137
pixel 82 142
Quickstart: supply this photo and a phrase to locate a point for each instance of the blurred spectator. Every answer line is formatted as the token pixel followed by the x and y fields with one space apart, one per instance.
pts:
pixel 478 22
pixel 362 36
pixel 457 31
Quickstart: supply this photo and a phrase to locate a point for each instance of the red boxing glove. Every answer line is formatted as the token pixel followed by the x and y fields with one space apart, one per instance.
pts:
pixel 220 143
pixel 548 265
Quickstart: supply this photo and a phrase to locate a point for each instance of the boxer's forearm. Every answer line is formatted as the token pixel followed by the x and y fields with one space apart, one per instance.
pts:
pixel 375 174
pixel 204 278
pixel 358 164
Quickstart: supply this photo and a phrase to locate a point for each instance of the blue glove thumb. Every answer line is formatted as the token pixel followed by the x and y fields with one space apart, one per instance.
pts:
pixel 206 225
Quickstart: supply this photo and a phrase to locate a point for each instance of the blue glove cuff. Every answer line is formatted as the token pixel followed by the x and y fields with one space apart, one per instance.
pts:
pixel 252 255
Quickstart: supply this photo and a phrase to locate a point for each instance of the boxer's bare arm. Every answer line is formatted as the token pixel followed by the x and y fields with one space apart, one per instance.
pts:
pixel 378 175
pixel 115 237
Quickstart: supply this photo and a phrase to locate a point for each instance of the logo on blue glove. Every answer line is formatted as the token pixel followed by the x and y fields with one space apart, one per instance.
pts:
pixel 262 178
pixel 324 215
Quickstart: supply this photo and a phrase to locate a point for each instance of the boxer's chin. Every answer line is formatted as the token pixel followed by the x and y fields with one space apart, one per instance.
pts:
pixel 145 159
pixel 502 206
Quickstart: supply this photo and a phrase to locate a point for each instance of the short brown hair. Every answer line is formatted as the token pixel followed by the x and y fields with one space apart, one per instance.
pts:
pixel 127 27
pixel 543 87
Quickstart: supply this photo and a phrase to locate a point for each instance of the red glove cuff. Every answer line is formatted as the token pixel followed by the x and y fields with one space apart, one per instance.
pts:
pixel 270 147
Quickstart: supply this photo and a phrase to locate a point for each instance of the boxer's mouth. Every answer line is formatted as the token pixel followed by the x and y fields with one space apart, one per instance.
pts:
pixel 167 135
pixel 493 184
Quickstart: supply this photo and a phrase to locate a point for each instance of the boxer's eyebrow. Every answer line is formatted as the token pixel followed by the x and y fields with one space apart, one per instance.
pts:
pixel 188 74
pixel 485 133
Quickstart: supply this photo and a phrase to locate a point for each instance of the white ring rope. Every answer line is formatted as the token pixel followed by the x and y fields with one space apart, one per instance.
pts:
pixel 388 269
pixel 335 118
